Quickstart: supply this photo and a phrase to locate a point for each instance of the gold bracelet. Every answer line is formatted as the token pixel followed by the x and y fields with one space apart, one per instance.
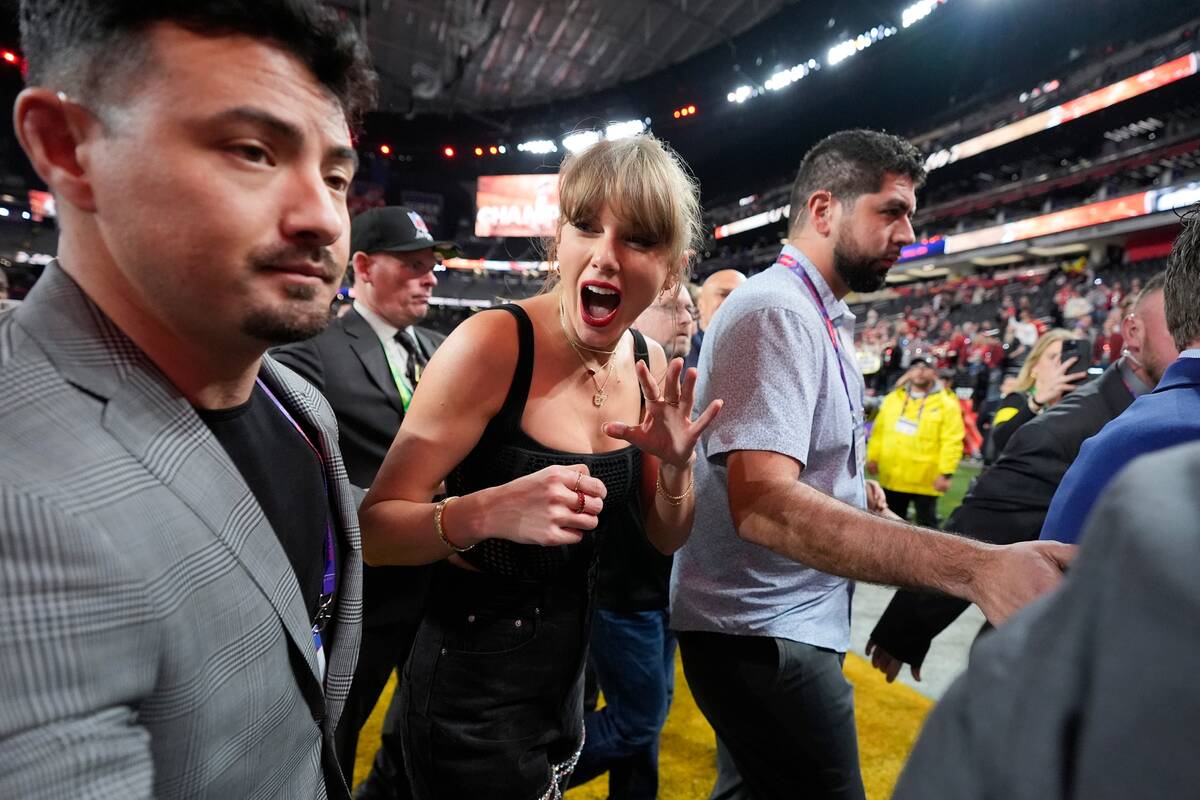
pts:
pixel 437 525
pixel 672 499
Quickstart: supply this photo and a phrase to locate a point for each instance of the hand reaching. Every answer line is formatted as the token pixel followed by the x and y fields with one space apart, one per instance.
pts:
pixel 667 430
pixel 887 663
pixel 1017 574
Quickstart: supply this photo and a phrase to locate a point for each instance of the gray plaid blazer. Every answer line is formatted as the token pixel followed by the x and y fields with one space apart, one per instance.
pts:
pixel 153 639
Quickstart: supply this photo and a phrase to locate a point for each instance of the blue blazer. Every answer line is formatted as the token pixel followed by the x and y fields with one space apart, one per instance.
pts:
pixel 1168 416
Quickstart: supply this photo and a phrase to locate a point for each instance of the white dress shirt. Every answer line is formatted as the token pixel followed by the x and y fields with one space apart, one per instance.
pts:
pixel 386 332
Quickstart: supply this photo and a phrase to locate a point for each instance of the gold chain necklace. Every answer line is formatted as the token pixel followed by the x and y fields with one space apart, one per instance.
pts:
pixel 600 396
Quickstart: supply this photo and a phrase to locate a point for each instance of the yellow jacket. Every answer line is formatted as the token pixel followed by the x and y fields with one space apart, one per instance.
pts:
pixel 928 443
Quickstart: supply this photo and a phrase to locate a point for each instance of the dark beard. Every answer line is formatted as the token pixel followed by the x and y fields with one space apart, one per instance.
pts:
pixel 284 326
pixel 859 272
pixel 298 319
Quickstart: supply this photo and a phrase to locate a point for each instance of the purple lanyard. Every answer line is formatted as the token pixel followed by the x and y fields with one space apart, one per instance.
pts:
pixel 329 580
pixel 792 264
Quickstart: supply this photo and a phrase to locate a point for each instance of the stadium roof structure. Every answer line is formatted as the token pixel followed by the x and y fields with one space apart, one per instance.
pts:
pixel 487 55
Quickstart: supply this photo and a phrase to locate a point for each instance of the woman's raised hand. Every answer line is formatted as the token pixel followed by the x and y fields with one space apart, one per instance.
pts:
pixel 667 430
pixel 1056 383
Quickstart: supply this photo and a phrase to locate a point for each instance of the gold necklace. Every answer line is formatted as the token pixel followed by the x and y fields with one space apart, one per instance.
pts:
pixel 600 395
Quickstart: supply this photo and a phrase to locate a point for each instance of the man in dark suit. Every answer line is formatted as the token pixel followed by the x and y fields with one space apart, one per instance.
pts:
pixel 180 563
pixel 1168 416
pixel 1090 691
pixel 1008 502
pixel 367 363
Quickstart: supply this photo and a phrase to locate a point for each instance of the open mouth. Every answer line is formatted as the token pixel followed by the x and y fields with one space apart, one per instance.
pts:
pixel 599 303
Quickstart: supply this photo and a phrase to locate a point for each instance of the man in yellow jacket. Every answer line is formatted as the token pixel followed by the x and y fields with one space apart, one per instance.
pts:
pixel 916 443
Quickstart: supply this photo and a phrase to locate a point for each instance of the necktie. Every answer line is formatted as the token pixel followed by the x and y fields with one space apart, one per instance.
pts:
pixel 413 364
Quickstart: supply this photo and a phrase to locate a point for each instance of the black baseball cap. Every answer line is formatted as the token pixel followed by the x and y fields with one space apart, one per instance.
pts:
pixel 394 229
pixel 919 360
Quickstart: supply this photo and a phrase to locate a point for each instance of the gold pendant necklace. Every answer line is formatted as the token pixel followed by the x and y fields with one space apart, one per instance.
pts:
pixel 600 395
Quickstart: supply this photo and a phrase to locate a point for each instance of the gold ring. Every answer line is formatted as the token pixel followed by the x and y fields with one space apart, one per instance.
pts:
pixel 578 480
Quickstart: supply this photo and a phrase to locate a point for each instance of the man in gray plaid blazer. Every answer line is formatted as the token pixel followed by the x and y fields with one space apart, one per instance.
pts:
pixel 161 635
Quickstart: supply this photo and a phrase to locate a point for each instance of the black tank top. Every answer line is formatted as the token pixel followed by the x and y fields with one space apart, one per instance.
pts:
pixel 505 452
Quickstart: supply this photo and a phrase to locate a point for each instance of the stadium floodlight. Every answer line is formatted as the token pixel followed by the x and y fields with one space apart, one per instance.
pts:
pixel 840 52
pixel 843 50
pixel 538 146
pixel 918 11
pixel 623 130
pixel 787 77
pixel 741 94
pixel 577 142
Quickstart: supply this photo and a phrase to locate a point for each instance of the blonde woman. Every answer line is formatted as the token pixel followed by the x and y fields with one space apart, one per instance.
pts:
pixel 1044 379
pixel 552 425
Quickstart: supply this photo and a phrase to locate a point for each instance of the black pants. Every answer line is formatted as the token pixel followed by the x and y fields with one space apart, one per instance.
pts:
pixel 492 695
pixel 393 603
pixel 384 649
pixel 925 504
pixel 784 711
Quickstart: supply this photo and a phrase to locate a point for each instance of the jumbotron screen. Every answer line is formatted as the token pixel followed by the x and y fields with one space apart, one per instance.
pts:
pixel 516 205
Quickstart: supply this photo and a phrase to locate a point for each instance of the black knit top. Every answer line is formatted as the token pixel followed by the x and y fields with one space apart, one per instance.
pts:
pixel 505 452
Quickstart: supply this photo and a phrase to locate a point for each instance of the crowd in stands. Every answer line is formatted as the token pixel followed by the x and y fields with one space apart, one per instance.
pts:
pixel 978 330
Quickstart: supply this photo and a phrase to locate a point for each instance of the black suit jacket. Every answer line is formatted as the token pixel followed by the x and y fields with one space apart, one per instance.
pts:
pixel 1007 504
pixel 346 363
pixel 1090 691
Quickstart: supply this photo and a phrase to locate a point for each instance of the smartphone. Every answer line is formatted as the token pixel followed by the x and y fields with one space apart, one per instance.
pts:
pixel 1080 350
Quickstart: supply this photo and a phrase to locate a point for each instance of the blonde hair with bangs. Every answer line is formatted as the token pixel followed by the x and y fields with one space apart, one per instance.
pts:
pixel 645 184
pixel 1025 376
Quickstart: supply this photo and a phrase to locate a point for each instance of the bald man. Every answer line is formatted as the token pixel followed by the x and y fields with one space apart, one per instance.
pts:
pixel 712 294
